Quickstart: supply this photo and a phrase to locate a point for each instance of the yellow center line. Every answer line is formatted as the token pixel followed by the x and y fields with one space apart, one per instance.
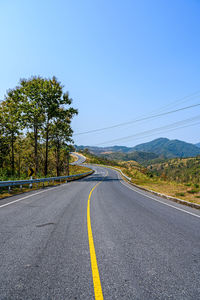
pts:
pixel 95 272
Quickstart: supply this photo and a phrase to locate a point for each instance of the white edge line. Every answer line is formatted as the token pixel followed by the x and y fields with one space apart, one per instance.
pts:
pixel 18 200
pixel 50 189
pixel 185 211
pixel 130 187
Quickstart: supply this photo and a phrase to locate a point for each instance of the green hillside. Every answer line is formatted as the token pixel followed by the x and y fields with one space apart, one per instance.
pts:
pixel 138 156
pixel 169 148
pixel 177 177
pixel 99 150
pixel 161 147
pixel 185 170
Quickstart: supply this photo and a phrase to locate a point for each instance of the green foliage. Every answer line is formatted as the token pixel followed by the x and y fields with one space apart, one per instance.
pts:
pixel 138 156
pixel 97 159
pixel 162 148
pixel 182 170
pixel 180 194
pixel 169 148
pixel 35 128
pixel 192 191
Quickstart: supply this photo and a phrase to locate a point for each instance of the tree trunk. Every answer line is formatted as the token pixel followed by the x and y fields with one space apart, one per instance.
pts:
pixel 47 150
pixel 36 148
pixel 67 163
pixel 19 166
pixel 58 160
pixel 12 155
pixel 2 151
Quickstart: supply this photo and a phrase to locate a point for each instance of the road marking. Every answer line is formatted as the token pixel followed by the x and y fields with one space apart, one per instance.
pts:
pixel 18 200
pixel 170 205
pixel 95 272
pixel 28 197
pixel 185 211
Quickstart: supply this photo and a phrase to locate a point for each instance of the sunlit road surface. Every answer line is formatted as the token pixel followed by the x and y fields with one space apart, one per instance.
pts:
pixel 98 238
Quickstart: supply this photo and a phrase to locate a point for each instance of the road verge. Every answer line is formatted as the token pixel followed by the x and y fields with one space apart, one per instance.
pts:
pixel 174 199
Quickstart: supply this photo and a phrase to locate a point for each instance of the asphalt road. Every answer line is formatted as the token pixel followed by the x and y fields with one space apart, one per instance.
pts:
pixel 80 159
pixel 145 247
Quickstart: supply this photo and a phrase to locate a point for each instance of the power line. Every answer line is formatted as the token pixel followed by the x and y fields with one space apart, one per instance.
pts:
pixel 137 120
pixel 155 130
pixel 179 101
pixel 169 130
pixel 146 133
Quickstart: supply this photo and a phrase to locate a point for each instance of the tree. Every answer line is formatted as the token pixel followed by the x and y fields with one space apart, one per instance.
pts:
pixel 3 140
pixel 30 98
pixel 11 122
pixel 51 94
pixel 61 133
pixel 69 148
pixel 42 99
pixel 55 104
pixel 19 148
pixel 38 112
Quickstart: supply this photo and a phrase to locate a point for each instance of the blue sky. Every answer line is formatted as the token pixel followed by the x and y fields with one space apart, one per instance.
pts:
pixel 119 60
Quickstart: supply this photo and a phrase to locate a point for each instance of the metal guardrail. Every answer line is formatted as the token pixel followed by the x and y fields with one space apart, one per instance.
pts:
pixel 128 178
pixel 39 180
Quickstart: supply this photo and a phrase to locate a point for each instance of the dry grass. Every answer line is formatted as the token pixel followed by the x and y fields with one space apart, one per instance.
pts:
pixel 182 191
pixel 73 158
pixel 139 177
pixel 73 170
pixel 187 192
pixel 78 170
pixel 16 190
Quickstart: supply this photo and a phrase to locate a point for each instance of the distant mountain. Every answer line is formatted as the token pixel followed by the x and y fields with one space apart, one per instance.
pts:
pixel 138 156
pixel 169 148
pixel 161 147
pixel 99 150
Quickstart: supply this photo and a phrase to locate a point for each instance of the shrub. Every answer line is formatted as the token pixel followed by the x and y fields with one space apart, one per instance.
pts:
pixel 196 185
pixel 192 191
pixel 180 194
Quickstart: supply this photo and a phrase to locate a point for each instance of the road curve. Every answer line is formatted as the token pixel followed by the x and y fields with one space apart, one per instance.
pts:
pixel 80 159
pixel 145 247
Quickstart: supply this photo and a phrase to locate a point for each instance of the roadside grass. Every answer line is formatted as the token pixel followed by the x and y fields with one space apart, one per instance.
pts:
pixel 72 158
pixel 144 178
pixel 73 170
pixel 157 184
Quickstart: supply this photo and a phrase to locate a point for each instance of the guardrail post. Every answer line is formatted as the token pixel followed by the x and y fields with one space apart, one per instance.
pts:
pixel 30 185
pixel 30 182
